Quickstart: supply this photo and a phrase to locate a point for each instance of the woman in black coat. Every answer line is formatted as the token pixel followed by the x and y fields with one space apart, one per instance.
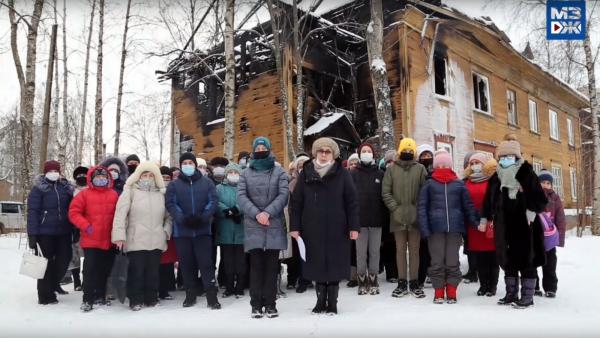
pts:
pixel 324 213
pixel 513 200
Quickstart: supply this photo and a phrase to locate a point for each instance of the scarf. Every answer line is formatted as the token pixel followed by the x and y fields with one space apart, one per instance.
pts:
pixel 478 177
pixel 322 170
pixel 508 179
pixel 444 175
pixel 263 164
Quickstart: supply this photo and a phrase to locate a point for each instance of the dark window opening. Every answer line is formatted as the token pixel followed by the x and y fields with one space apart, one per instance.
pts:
pixel 481 92
pixel 244 125
pixel 440 67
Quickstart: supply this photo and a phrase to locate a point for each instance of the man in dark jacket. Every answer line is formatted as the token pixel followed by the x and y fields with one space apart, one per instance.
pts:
pixel 192 200
pixel 132 161
pixel 49 228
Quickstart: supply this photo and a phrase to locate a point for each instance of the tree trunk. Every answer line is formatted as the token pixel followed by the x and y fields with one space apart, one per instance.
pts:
pixel 47 100
pixel 381 89
pixel 590 67
pixel 98 144
pixel 27 86
pixel 65 137
pixel 298 63
pixel 81 137
pixel 229 132
pixel 121 74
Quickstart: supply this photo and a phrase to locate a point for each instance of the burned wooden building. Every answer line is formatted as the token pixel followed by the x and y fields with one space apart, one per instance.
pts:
pixel 455 82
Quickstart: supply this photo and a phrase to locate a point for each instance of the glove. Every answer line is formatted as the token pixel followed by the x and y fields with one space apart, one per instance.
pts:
pixel 75 235
pixel 32 242
pixel 89 230
pixel 235 211
pixel 237 219
pixel 227 213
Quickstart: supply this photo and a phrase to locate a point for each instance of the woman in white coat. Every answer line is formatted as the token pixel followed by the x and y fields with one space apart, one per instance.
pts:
pixel 141 228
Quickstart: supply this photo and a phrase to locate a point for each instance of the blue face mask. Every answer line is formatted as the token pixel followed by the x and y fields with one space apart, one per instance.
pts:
pixel 188 169
pixel 507 161
pixel 100 182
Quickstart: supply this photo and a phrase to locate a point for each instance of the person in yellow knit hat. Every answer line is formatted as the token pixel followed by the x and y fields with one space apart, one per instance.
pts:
pixel 402 183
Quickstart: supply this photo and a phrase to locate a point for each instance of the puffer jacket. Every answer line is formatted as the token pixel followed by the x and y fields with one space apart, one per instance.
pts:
pixel 141 219
pixel 228 231
pixel 402 183
pixel 368 180
pixel 48 207
pixel 258 191
pixel 94 207
pixel 557 214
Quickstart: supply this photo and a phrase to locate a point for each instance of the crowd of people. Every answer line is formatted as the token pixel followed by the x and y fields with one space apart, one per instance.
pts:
pixel 406 212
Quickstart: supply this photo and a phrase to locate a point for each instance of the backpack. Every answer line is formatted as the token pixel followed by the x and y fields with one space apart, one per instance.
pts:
pixel 551 238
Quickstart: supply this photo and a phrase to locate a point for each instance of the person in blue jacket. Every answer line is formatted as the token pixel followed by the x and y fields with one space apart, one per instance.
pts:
pixel 192 201
pixel 444 207
pixel 48 227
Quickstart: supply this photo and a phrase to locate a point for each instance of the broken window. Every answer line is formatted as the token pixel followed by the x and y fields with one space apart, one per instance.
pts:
pixel 201 92
pixel 481 93
pixel 511 99
pixel 244 126
pixel 440 68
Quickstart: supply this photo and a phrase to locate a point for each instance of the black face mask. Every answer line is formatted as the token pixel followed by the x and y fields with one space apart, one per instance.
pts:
pixel 427 162
pixel 131 168
pixel 260 155
pixel 81 181
pixel 407 156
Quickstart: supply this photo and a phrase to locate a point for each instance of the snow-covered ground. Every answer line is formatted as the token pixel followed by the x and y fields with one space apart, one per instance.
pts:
pixel 574 313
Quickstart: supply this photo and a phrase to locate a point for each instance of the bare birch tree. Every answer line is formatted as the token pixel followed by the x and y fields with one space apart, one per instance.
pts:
pixel 229 131
pixel 98 143
pixel 81 138
pixel 64 141
pixel 47 100
pixel 121 75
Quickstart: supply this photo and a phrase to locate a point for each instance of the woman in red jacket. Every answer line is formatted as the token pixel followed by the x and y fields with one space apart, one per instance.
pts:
pixel 92 211
pixel 481 168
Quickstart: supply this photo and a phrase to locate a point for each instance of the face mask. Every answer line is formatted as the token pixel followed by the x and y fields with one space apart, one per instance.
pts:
pixel 203 171
pixel 52 176
pixel 476 168
pixel 100 182
pixel 366 157
pixel 322 163
pixel 233 178
pixel 188 169
pixel 407 156
pixel 507 161
pixel 114 174
pixel 146 184
pixel 219 171
pixel 81 181
pixel 427 162
pixel 260 155
pixel 243 163
pixel 131 168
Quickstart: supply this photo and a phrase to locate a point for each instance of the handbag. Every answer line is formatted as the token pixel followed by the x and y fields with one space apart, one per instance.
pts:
pixel 119 276
pixel 489 230
pixel 34 265
pixel 551 237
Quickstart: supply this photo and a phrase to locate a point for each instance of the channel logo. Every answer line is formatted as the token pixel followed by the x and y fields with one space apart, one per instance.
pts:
pixel 565 20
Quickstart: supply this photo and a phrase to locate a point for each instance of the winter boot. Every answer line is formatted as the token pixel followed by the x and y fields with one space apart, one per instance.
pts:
pixel 483 288
pixel 321 305
pixel 332 296
pixel 67 279
pixel 415 289
pixel 271 311
pixel 363 287
pixel 491 292
pixel 86 307
pixel 512 290
pixel 527 291
pixel 352 283
pixel 550 294
pixel 257 312
pixel 190 298
pixel 76 280
pixel 60 290
pixel 373 284
pixel 451 293
pixel 438 298
pixel 401 290
pixel 211 299
pixel 301 288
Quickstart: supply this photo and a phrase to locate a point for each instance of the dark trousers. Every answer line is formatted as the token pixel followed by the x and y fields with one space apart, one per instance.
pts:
pixel 424 260
pixel 264 268
pixel 487 268
pixel 511 271
pixel 388 255
pixel 549 279
pixel 57 249
pixel 166 279
pixel 97 265
pixel 233 261
pixel 142 276
pixel 294 266
pixel 196 253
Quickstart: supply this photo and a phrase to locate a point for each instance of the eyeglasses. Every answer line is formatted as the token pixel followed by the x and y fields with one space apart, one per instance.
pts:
pixel 324 151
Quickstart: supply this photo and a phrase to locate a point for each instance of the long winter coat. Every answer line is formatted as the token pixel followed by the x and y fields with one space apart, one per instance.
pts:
pixel 444 207
pixel 141 219
pixel 402 183
pixel 228 231
pixel 519 245
pixel 94 206
pixel 191 196
pixel 48 207
pixel 119 183
pixel 557 214
pixel 324 211
pixel 258 191
pixel 368 180
pixel 477 240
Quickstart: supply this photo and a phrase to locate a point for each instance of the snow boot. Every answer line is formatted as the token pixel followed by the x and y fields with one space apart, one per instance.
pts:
pixel 321 305
pixel 352 284
pixel 271 311
pixel 61 291
pixel 550 294
pixel 363 287
pixel 136 307
pixel 373 284
pixel 190 298
pixel 212 300
pixel 451 293
pixel 491 292
pixel 86 307
pixel 438 297
pixel 67 279
pixel 527 291
pixel 76 280
pixel 257 312
pixel 512 290
pixel 415 289
pixel 401 290
pixel 332 296
pixel 301 288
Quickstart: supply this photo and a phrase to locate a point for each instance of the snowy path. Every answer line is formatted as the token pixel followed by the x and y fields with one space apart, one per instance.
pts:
pixel 575 313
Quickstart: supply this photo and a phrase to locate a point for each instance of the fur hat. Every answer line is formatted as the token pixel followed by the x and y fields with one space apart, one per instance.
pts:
pixel 118 163
pixel 545 175
pixel 442 158
pixel 326 142
pixel 509 148
pixel 353 157
pixel 51 165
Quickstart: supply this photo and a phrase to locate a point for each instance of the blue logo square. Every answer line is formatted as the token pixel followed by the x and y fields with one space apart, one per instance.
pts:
pixel 565 20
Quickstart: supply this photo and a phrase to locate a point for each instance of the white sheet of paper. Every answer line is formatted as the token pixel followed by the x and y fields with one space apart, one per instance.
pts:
pixel 301 248
pixel 530 216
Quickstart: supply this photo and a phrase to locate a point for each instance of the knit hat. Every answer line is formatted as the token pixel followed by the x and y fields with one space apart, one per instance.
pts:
pixel 509 148
pixel 479 156
pixel 467 158
pixel 353 157
pixel 219 162
pixel 390 155
pixel 201 162
pixel 79 170
pixel 261 140
pixel 166 171
pixel 132 157
pixel 188 156
pixel 423 148
pixel 233 166
pixel 359 150
pixel 442 158
pixel 407 144
pixel 300 159
pixel 326 142
pixel 51 165
pixel 545 175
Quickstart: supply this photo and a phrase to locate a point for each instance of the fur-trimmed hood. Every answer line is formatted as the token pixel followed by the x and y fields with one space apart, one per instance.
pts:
pixel 124 172
pixel 44 185
pixel 489 169
pixel 143 167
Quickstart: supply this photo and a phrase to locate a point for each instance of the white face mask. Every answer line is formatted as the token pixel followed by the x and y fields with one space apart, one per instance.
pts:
pixel 322 163
pixel 366 157
pixel 146 183
pixel 219 171
pixel 476 168
pixel 233 178
pixel 114 174
pixel 52 176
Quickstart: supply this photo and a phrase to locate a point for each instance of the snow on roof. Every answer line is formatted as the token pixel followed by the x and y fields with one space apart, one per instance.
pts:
pixel 323 123
pixel 340 30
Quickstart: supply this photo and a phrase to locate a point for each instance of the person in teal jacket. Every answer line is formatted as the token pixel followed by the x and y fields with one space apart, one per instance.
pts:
pixel 230 233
